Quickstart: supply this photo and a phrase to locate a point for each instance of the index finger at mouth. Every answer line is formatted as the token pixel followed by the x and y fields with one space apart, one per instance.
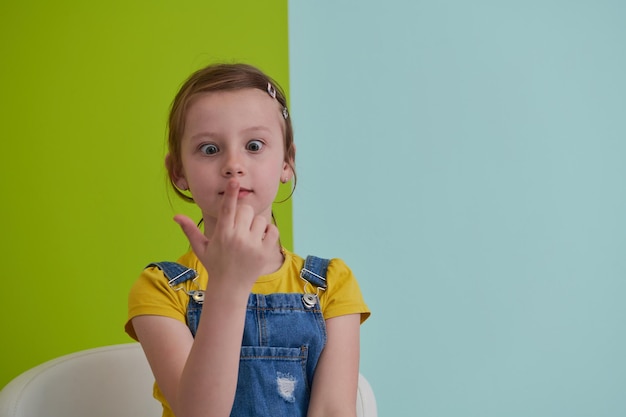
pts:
pixel 229 203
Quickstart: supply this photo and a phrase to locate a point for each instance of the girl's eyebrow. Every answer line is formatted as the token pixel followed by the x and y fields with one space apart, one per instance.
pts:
pixel 212 135
pixel 203 135
pixel 257 128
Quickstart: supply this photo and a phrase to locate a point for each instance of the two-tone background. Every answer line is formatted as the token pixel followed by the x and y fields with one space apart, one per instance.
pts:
pixel 466 159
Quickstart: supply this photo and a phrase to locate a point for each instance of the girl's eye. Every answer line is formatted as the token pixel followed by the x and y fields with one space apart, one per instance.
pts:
pixel 209 149
pixel 254 145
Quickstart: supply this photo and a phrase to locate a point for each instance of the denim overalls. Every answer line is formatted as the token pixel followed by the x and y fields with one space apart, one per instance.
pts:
pixel 283 338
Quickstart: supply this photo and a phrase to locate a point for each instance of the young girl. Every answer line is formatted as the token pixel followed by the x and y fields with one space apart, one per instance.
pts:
pixel 240 326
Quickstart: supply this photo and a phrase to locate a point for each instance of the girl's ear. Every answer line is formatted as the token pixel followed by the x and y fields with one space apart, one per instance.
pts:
pixel 176 176
pixel 287 173
pixel 288 165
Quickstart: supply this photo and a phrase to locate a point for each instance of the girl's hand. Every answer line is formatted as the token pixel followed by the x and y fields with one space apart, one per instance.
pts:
pixel 241 244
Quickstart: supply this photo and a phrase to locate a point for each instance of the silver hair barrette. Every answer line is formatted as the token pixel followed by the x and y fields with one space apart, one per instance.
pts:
pixel 272 92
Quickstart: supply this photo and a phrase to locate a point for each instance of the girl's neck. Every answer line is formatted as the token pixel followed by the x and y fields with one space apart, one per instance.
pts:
pixel 274 264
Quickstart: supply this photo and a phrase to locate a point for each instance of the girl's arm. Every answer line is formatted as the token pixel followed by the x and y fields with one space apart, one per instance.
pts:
pixel 337 374
pixel 198 376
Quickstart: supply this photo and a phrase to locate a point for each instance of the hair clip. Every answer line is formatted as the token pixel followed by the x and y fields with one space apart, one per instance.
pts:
pixel 271 90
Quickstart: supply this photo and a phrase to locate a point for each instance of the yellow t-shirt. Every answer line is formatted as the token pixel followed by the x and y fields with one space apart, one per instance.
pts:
pixel 151 294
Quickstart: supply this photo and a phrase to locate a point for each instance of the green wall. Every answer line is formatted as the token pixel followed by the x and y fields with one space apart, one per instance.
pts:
pixel 85 92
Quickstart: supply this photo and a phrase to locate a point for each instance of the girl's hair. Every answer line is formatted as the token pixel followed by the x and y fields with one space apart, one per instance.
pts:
pixel 221 77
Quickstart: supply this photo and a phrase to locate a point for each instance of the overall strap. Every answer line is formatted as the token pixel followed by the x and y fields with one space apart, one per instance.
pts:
pixel 176 273
pixel 314 271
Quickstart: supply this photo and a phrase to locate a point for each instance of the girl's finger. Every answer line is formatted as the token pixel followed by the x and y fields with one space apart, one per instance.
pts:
pixel 271 235
pixel 258 227
pixel 226 217
pixel 196 238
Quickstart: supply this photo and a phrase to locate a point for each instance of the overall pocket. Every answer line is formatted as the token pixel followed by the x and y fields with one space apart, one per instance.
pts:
pixel 272 382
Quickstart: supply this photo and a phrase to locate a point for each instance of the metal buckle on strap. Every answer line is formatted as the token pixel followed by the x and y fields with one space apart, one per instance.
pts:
pixel 309 299
pixel 196 295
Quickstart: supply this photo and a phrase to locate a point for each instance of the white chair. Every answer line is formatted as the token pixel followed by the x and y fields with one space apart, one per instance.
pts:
pixel 109 381
pixel 365 399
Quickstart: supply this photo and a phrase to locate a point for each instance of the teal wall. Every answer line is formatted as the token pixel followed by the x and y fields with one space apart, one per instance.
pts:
pixel 85 88
pixel 467 159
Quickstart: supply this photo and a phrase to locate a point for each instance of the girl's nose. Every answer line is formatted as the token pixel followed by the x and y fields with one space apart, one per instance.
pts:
pixel 233 166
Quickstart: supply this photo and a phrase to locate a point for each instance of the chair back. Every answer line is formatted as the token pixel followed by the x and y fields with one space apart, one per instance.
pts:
pixel 102 382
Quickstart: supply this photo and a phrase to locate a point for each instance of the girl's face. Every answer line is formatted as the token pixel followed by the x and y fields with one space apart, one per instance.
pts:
pixel 233 134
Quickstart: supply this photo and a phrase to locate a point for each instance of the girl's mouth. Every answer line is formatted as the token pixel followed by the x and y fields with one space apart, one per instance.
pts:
pixel 242 192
